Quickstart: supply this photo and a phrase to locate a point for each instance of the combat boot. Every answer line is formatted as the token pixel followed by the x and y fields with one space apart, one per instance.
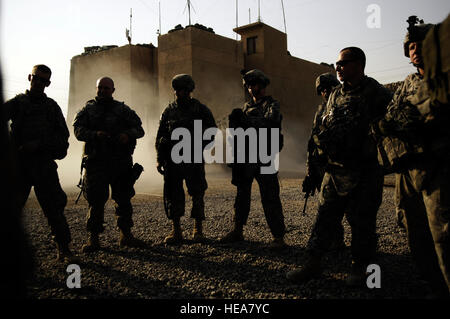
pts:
pixel 237 234
pixel 278 243
pixel 65 255
pixel 357 276
pixel 197 233
pixel 128 240
pixel 176 236
pixel 92 245
pixel 311 269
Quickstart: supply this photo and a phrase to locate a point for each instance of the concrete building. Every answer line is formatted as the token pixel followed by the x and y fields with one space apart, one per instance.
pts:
pixel 143 75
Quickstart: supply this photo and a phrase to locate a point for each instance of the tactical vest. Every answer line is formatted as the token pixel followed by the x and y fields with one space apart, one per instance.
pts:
pixel 396 152
pixel 111 119
pixel 38 120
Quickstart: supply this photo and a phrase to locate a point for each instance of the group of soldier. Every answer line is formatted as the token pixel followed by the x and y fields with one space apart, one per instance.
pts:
pixel 360 133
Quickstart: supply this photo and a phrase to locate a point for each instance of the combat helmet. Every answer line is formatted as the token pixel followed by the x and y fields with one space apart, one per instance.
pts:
pixel 255 76
pixel 325 80
pixel 416 33
pixel 183 81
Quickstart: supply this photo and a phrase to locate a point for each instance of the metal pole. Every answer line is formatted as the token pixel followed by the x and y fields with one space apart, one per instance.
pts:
pixel 160 32
pixel 236 17
pixel 284 17
pixel 259 11
pixel 189 9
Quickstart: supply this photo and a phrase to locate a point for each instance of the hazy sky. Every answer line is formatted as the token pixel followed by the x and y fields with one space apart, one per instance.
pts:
pixel 52 32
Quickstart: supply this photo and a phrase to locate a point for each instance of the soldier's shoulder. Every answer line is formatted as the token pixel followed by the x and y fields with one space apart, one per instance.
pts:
pixel 272 102
pixel 413 79
pixel 202 107
pixel 52 102
pixel 19 98
pixel 376 87
pixel 172 106
pixel 90 104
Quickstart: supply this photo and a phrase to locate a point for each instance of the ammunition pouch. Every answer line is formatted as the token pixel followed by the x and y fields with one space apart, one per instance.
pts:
pixel 395 154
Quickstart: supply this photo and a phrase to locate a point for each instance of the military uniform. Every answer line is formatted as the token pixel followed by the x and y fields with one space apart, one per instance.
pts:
pixel 39 120
pixel 420 153
pixel 182 115
pixel 264 114
pixel 108 162
pixel 316 160
pixel 353 181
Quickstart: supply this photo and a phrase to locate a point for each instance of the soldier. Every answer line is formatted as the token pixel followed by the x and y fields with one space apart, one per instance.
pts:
pixel 40 136
pixel 262 111
pixel 417 148
pixel 316 159
pixel 353 180
pixel 109 129
pixel 181 114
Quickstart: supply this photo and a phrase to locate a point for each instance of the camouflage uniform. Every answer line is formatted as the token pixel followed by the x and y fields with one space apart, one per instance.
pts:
pixel 420 153
pixel 39 119
pixel 353 181
pixel 178 115
pixel 316 160
pixel 107 161
pixel 264 114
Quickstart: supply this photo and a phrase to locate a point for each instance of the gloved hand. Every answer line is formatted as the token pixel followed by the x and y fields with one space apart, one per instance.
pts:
pixel 308 185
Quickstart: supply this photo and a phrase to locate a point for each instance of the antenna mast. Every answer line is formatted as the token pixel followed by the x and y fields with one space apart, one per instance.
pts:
pixel 284 17
pixel 259 11
pixel 189 10
pixel 128 32
pixel 236 17
pixel 159 5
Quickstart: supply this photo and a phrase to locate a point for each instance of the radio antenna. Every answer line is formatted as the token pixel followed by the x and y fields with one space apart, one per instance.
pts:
pixel 284 17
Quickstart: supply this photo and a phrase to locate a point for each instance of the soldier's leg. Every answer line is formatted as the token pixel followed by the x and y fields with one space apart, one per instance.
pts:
pixel 437 203
pixel 269 188
pixel 399 209
pixel 96 192
pixel 241 212
pixel 329 216
pixel 122 191
pixel 328 219
pixel 363 206
pixel 53 200
pixel 196 185
pixel 174 198
pixel 420 238
pixel 362 213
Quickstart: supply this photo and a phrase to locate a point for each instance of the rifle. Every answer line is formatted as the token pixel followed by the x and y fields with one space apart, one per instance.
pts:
pixel 81 181
pixel 306 202
pixel 166 188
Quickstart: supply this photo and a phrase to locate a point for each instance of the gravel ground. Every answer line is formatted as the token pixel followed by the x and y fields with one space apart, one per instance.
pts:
pixel 248 270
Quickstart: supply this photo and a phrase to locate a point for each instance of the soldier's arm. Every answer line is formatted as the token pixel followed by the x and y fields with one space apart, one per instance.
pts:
pixel 401 118
pixel 58 143
pixel 81 127
pixel 9 109
pixel 273 114
pixel 134 124
pixel 162 138
pixel 208 119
